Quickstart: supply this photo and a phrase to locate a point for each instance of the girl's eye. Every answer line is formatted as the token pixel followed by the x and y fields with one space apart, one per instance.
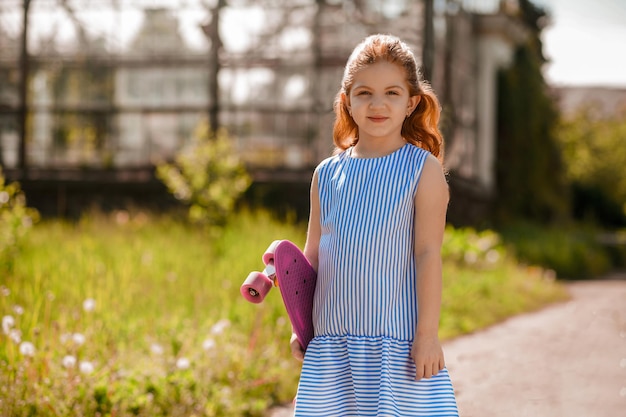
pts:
pixel 392 93
pixel 363 93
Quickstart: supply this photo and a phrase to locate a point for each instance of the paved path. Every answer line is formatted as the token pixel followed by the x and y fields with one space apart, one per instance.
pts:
pixel 567 360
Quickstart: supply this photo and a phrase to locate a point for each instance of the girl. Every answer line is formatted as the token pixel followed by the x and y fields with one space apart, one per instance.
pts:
pixel 378 210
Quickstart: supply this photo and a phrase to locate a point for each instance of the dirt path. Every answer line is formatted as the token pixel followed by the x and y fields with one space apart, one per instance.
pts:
pixel 568 360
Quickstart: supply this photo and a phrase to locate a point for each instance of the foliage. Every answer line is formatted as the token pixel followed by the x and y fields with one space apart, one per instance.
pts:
pixel 573 253
pixel 15 220
pixel 208 176
pixel 595 157
pixel 529 176
pixel 134 314
pixel 529 180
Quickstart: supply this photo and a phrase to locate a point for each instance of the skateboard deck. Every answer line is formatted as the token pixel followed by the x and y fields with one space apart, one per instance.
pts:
pixel 289 270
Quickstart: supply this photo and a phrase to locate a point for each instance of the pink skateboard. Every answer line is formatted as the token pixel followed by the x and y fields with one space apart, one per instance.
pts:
pixel 287 268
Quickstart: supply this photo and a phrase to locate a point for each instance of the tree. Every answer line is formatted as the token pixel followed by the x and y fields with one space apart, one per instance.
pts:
pixel 530 177
pixel 595 157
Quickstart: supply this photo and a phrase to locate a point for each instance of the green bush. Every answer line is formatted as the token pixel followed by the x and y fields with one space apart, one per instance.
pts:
pixel 595 157
pixel 15 220
pixel 572 252
pixel 207 175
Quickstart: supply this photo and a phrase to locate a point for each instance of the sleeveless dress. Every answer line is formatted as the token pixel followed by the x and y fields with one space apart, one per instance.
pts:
pixel 365 307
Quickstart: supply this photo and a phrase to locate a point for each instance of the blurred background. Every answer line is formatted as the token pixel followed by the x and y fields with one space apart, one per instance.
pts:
pixel 151 149
pixel 95 93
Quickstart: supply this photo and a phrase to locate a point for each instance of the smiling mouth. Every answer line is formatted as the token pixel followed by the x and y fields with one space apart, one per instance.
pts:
pixel 377 119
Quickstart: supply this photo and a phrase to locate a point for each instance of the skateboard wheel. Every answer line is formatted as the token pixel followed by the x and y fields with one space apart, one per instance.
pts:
pixel 255 287
pixel 268 256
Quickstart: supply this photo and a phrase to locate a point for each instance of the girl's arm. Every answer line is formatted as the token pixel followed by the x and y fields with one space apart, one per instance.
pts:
pixel 431 203
pixel 311 250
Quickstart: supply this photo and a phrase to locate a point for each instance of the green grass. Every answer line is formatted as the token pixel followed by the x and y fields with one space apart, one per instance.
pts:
pixel 170 334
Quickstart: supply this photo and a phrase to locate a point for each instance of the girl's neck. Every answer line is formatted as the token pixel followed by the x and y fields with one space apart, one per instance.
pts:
pixel 376 148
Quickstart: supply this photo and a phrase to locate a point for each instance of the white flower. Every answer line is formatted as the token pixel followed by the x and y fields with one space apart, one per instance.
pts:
pixel 156 349
pixel 4 197
pixel 15 335
pixel 470 258
pixel 492 256
pixel 208 344
pixel 19 310
pixel 27 349
pixel 69 361
pixel 220 326
pixel 78 339
pixel 7 324
pixel 183 363
pixel 89 305
pixel 86 367
pixel 5 291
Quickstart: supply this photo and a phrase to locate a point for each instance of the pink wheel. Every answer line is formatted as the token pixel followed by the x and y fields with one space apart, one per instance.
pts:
pixel 268 256
pixel 256 287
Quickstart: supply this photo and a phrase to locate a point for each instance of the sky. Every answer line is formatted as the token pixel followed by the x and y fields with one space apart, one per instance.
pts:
pixel 586 42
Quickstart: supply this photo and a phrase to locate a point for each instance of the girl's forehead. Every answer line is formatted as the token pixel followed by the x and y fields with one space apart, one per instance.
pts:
pixel 380 73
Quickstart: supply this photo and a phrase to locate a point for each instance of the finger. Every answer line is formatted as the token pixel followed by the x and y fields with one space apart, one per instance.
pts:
pixel 428 372
pixel 296 350
pixel 419 371
pixel 299 355
pixel 435 369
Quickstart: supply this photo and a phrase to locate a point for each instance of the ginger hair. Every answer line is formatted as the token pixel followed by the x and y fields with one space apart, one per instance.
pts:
pixel 421 128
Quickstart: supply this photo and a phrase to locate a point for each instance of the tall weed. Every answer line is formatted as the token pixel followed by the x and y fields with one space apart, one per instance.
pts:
pixel 134 314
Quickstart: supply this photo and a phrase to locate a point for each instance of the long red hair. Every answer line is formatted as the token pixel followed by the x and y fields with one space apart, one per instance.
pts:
pixel 421 128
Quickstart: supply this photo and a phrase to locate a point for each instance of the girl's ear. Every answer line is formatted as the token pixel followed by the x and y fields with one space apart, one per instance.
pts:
pixel 413 102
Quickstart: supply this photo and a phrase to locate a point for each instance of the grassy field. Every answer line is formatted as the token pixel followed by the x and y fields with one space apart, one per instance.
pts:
pixel 138 314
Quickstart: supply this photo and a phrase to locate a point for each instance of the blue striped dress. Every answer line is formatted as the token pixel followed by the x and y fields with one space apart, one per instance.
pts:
pixel 365 307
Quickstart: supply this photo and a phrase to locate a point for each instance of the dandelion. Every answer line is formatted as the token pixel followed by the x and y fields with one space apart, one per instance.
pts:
pixel 220 326
pixel 27 349
pixel 4 197
pixel 183 363
pixel 492 256
pixel 208 344
pixel 65 337
pixel 68 361
pixel 15 335
pixel 470 258
pixel 5 291
pixel 86 367
pixel 7 324
pixel 78 339
pixel 156 349
pixel 19 310
pixel 89 305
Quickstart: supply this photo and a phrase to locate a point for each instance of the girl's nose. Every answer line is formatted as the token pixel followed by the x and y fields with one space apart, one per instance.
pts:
pixel 377 101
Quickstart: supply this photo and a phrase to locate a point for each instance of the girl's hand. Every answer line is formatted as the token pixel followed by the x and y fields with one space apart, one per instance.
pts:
pixel 428 357
pixel 296 348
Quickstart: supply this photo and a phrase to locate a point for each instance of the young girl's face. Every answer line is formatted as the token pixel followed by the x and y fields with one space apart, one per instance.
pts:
pixel 379 101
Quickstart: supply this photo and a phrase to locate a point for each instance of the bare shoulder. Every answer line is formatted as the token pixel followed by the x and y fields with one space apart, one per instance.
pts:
pixel 433 178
